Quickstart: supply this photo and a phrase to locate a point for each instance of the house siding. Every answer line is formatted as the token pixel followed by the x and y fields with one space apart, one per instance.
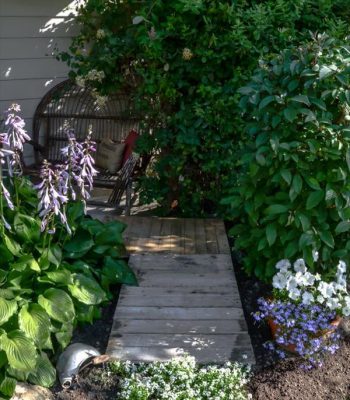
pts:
pixel 30 31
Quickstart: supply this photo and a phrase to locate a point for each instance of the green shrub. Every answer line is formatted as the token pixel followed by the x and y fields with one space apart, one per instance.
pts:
pixel 184 61
pixel 293 193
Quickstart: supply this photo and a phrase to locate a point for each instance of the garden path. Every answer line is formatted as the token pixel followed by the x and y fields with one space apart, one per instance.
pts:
pixel 187 299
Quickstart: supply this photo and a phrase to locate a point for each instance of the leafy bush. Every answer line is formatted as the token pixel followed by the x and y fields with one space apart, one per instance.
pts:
pixel 181 379
pixel 293 191
pixel 183 62
pixel 56 265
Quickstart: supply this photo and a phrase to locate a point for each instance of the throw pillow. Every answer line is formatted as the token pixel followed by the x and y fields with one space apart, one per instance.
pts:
pixel 110 155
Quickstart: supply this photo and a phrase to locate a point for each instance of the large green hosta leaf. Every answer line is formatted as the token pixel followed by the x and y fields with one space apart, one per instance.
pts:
pixel 7 386
pixel 19 349
pixel 27 228
pixel 44 373
pixel 34 321
pixel 111 234
pixel 58 304
pixel 64 334
pixel 86 290
pixel 117 271
pixel 7 309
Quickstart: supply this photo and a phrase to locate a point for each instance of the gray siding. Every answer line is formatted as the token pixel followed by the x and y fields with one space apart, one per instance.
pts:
pixel 29 33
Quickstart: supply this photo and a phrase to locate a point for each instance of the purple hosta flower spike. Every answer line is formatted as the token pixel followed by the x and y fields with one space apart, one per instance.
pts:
pixel 17 136
pixel 51 198
pixel 3 154
pixel 88 171
pixel 73 154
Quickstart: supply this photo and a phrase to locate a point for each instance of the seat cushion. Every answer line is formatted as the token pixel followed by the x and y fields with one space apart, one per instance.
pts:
pixel 129 142
pixel 109 155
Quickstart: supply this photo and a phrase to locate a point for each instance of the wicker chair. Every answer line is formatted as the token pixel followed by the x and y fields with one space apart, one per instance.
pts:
pixel 68 106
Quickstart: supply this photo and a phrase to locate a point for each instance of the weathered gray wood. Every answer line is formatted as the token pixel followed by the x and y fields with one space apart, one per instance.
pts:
pixel 198 341
pixel 179 326
pixel 203 356
pixel 186 302
pixel 194 313
pixel 179 300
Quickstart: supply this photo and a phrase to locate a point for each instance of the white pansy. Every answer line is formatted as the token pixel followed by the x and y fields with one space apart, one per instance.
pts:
pixel 341 267
pixel 292 283
pixel 325 289
pixel 320 299
pixel 299 266
pixel 315 255
pixel 279 281
pixel 347 300
pixel 294 294
pixel 346 311
pixel 332 303
pixel 299 277
pixel 283 265
pixel 308 298
pixel 309 279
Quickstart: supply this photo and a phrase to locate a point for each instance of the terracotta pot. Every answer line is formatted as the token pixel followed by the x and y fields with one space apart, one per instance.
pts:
pixel 291 347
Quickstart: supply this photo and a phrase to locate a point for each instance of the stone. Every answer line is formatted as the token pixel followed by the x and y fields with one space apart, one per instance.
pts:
pixel 25 391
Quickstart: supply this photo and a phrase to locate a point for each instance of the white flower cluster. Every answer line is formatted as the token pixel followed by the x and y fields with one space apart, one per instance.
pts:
pixel 302 285
pixel 181 379
pixel 92 75
pixel 100 34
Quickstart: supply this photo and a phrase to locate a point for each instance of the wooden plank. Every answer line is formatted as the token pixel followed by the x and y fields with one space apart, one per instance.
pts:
pixel 169 279
pixel 210 234
pixel 221 235
pixel 176 232
pixel 178 300
pixel 189 313
pixel 150 291
pixel 190 236
pixel 203 356
pixel 200 243
pixel 43 68
pixel 35 27
pixel 180 263
pixel 179 326
pixel 198 341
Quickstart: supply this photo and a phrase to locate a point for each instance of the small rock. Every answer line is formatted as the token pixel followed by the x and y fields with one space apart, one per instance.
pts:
pixel 25 391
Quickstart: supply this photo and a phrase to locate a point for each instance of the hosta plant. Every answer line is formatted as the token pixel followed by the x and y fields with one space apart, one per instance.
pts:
pixel 293 191
pixel 56 263
pixel 305 311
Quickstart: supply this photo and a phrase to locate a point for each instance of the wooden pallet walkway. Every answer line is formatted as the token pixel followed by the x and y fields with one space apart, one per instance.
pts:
pixel 187 300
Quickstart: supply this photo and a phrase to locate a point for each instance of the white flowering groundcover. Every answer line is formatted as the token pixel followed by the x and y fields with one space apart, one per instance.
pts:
pixel 181 379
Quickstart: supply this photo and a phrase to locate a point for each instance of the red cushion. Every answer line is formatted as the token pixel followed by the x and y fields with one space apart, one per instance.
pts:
pixel 129 141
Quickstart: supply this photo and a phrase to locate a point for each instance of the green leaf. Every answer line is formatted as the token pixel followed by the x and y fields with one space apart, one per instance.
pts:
pixel 292 85
pixel 44 373
pixel 319 103
pixel 58 304
pixel 117 271
pixel 86 290
pixel 64 335
pixel 7 309
pixel 297 183
pixel 266 101
pixel 5 254
pixel 327 238
pixel 325 71
pixel 271 234
pixel 92 225
pixel 305 221
pixel 276 209
pixel 111 234
pixel 27 228
pixel 61 276
pixel 8 385
pixel 343 226
pixel 313 183
pixel 286 175
pixel 314 199
pixel 35 323
pixel 12 246
pixel 80 243
pixel 54 254
pixel 290 114
pixel 301 99
pixel 275 121
pixel 20 350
